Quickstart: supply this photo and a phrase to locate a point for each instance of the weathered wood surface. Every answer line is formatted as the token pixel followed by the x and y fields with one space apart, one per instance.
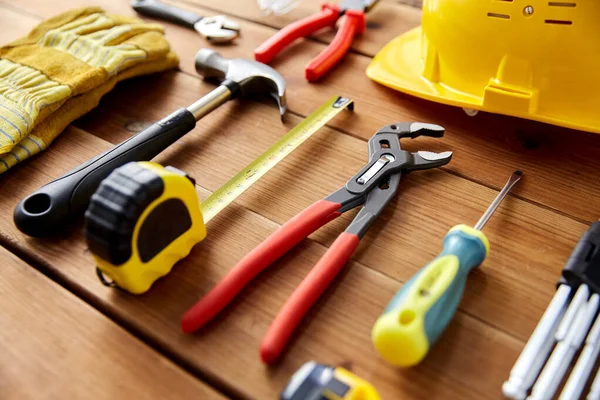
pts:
pixel 532 234
pixel 53 345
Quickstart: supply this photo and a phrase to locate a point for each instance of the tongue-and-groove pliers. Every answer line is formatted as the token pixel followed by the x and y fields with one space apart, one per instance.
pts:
pixel 353 23
pixel 373 186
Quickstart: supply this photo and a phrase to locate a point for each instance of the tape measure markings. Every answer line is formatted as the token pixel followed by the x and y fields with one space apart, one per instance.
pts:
pixel 237 185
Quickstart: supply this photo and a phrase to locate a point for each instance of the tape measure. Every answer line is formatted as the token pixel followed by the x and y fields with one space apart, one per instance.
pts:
pixel 322 382
pixel 143 218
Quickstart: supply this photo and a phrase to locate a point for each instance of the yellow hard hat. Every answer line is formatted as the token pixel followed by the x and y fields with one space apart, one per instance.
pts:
pixel 533 59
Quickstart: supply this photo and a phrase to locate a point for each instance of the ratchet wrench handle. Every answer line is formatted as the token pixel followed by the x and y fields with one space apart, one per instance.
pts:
pixel 51 208
pixel 166 12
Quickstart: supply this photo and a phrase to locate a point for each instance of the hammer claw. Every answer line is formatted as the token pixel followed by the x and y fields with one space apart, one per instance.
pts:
pixel 242 76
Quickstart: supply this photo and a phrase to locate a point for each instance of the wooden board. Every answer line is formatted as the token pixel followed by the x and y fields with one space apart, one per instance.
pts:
pixel 53 346
pixel 532 234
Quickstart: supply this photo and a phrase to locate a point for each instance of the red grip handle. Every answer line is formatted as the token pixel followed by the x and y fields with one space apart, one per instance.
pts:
pixel 271 47
pixel 306 295
pixel 353 23
pixel 276 245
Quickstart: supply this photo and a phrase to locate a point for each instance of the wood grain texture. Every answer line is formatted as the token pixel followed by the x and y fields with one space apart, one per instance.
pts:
pixel 531 235
pixel 53 345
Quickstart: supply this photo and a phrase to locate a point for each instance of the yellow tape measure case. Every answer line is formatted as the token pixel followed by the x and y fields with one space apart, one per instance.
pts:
pixel 142 220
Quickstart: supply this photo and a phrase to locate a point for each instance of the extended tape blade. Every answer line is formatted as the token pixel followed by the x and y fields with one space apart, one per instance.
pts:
pixel 272 156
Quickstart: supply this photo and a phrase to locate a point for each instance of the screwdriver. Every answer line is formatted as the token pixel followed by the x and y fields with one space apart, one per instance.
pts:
pixel 420 311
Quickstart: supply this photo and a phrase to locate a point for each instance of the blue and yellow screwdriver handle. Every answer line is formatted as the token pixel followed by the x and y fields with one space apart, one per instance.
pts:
pixel 141 220
pixel 420 311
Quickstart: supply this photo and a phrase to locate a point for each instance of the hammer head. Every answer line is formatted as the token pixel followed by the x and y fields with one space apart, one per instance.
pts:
pixel 251 77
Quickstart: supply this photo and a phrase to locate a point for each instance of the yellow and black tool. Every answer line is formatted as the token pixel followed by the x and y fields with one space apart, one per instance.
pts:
pixel 144 218
pixel 322 382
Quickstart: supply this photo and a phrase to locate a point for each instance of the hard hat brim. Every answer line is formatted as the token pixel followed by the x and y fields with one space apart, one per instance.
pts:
pixel 399 65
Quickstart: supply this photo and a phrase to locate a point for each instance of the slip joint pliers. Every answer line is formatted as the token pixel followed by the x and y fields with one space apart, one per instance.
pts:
pixel 374 186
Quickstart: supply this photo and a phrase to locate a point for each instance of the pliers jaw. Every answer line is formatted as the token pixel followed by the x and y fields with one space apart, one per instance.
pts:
pixel 386 156
pixel 377 182
pixel 411 130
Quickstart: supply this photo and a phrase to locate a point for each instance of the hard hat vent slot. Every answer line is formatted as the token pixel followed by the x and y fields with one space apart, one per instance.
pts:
pixel 496 15
pixel 558 22
pixel 564 4
pixel 561 4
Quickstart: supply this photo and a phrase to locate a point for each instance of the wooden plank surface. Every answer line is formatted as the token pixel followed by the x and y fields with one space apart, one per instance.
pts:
pixel 53 346
pixel 531 235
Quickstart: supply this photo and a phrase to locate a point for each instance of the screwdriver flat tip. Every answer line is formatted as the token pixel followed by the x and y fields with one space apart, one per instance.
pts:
pixel 512 180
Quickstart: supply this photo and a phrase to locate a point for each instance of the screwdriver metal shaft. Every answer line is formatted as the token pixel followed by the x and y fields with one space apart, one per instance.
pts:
pixel 514 178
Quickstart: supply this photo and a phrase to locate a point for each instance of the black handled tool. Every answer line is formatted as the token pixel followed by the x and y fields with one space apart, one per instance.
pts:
pixel 216 29
pixel 49 209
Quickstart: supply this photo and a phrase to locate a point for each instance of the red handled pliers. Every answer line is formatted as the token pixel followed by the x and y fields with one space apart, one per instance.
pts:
pixel 352 24
pixel 374 186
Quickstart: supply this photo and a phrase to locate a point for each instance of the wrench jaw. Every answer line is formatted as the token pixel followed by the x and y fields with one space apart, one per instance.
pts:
pixel 218 29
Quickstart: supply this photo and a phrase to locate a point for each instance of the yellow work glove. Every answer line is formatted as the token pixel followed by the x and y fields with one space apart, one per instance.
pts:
pixel 61 70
